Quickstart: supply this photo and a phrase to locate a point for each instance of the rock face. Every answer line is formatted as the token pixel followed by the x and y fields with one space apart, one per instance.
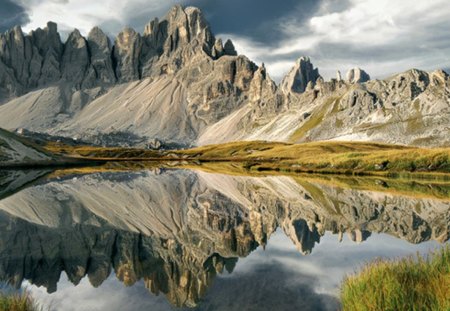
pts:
pixel 178 84
pixel 75 59
pixel 177 230
pixel 127 49
pixel 302 74
pixel 101 60
pixel 357 75
pixel 29 61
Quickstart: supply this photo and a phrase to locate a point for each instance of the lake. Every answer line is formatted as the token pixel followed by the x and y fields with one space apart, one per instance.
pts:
pixel 174 239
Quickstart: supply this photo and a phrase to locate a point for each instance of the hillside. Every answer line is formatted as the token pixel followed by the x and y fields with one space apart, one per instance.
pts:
pixel 15 150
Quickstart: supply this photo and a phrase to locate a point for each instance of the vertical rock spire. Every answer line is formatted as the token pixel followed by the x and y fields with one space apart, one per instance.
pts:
pixel 100 51
pixel 357 75
pixel 300 75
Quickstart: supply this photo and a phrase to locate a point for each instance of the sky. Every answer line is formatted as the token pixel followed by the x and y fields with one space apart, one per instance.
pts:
pixel 381 36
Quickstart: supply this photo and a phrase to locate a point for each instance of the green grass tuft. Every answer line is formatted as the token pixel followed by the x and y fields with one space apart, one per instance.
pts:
pixel 407 284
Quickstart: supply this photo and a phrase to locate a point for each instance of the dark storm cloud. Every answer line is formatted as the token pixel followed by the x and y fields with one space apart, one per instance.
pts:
pixel 12 14
pixel 259 20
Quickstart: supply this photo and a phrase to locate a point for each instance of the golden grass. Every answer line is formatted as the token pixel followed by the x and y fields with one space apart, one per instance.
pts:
pixel 320 157
pixel 407 284
pixel 18 302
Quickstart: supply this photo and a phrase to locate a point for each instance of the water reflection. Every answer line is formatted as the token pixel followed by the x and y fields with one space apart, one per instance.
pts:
pixel 176 231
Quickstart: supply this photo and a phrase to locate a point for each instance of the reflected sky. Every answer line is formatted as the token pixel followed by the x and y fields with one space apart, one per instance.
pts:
pixel 275 278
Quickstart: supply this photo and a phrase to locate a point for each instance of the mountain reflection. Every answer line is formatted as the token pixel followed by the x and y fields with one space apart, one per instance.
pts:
pixel 178 229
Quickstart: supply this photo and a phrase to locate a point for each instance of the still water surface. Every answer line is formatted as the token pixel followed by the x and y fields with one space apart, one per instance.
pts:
pixel 184 239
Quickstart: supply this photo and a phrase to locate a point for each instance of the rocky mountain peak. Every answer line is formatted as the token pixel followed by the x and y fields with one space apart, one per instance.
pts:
pixel 127 49
pixel 303 72
pixel 47 38
pixel 75 59
pixel 185 25
pixel 357 75
pixel 101 55
pixel 229 48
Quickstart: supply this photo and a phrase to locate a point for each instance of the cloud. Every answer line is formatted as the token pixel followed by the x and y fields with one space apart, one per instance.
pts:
pixel 268 286
pixel 11 14
pixel 259 20
pixel 85 14
pixel 381 36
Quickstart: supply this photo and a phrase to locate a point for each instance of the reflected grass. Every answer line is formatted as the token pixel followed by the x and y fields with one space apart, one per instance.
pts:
pixel 407 284
pixel 415 186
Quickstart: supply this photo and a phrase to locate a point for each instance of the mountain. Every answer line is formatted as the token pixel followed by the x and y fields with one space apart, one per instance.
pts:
pixel 177 229
pixel 178 84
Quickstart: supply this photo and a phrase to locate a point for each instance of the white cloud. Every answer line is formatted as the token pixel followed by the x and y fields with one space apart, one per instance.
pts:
pixel 393 28
pixel 85 14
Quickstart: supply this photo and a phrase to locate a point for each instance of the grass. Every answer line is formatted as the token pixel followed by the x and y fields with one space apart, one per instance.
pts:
pixel 18 302
pixel 406 284
pixel 317 157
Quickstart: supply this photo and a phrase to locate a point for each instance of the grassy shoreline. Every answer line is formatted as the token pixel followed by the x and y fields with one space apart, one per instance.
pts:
pixel 406 284
pixel 350 158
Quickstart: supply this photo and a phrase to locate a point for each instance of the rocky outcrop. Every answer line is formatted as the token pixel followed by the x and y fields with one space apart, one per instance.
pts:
pixel 75 60
pixel 127 49
pixel 357 75
pixel 101 56
pixel 298 78
pixel 40 58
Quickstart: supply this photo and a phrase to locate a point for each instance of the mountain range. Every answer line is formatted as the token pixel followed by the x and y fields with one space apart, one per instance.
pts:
pixel 177 84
